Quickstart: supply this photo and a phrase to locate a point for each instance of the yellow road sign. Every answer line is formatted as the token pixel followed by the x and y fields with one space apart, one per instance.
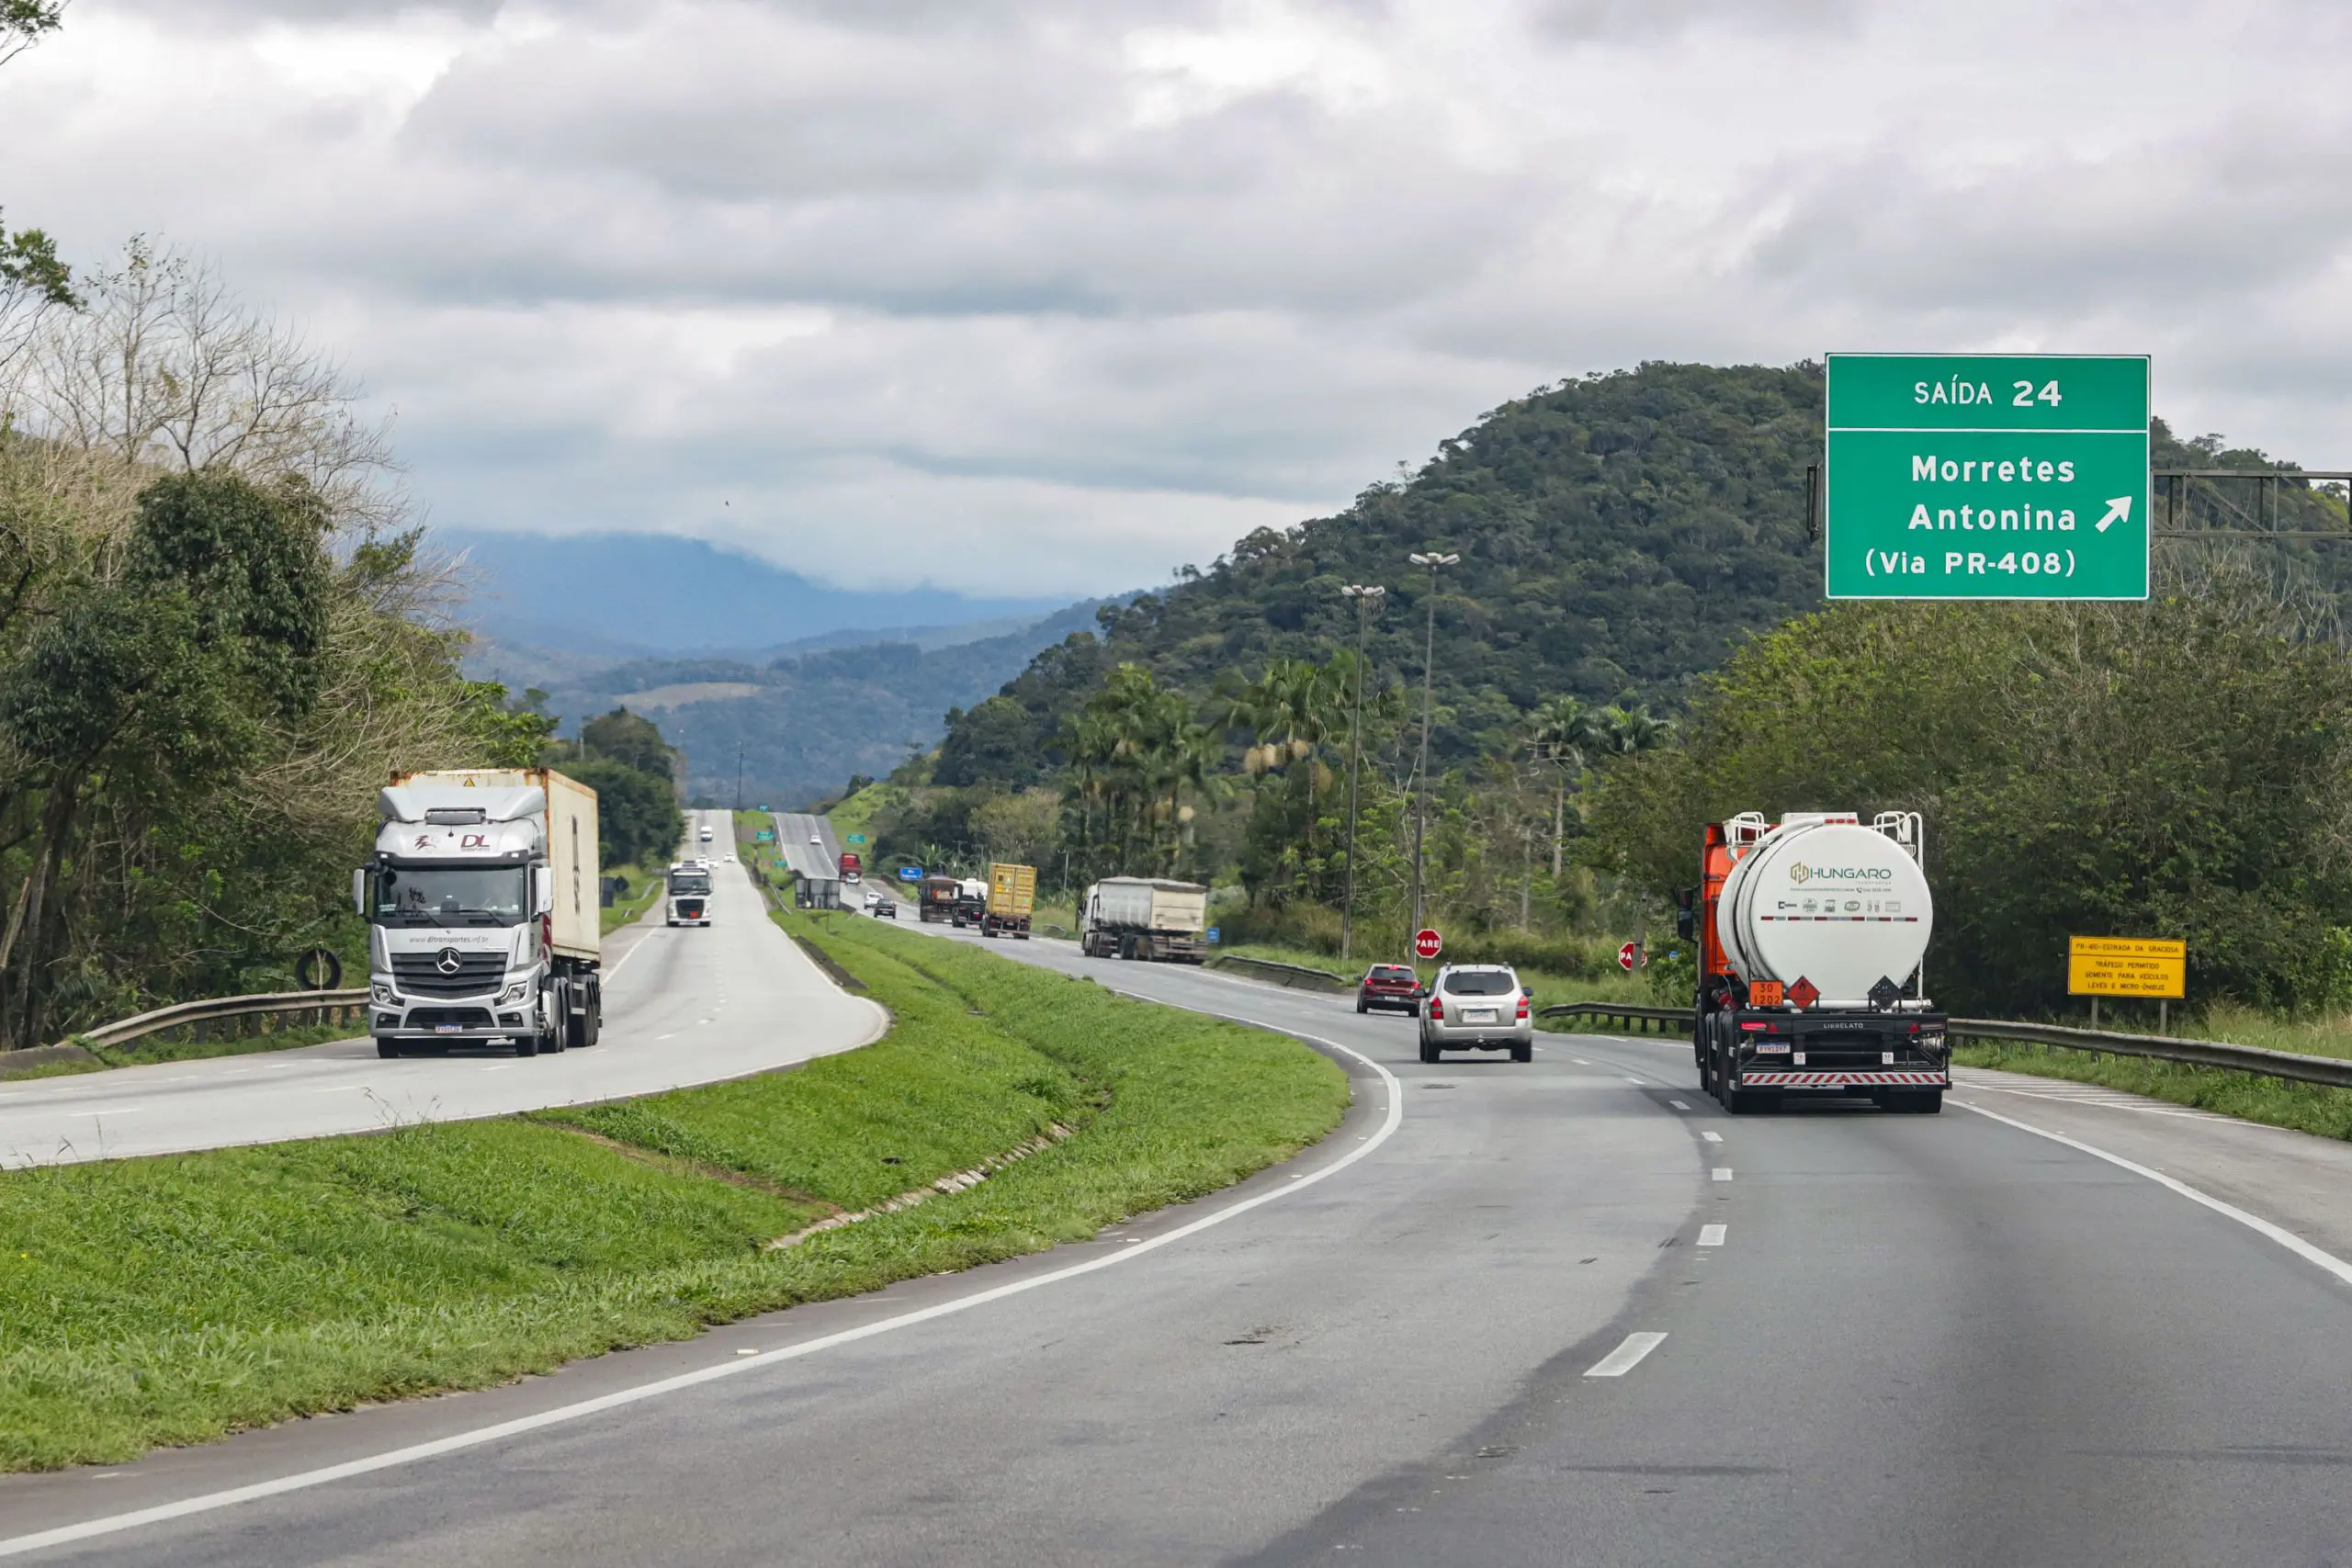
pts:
pixel 2126 966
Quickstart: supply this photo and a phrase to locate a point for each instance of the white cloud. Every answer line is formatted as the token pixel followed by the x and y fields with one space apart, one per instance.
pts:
pixel 1051 296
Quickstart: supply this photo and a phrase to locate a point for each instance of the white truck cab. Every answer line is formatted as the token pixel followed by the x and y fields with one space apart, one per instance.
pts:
pixel 689 893
pixel 482 912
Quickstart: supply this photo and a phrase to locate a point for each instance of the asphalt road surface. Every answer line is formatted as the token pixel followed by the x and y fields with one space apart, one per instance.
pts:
pixel 817 861
pixel 1563 1312
pixel 682 1006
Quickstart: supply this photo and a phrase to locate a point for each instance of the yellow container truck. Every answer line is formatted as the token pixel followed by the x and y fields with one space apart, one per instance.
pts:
pixel 1013 893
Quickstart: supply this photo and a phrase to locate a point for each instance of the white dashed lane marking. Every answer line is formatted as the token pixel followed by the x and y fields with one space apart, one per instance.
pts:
pixel 1626 1356
pixel 1712 1235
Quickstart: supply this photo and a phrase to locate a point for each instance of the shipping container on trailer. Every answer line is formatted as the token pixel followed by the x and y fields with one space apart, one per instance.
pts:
pixel 484 918
pixel 1013 897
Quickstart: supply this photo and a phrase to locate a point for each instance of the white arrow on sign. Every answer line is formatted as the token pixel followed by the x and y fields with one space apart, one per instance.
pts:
pixel 2119 510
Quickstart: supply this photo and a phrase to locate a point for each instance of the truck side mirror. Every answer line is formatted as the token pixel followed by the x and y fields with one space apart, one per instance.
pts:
pixel 542 890
pixel 360 890
pixel 1686 920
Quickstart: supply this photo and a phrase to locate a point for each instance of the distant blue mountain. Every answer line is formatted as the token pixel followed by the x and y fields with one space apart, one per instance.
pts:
pixel 630 594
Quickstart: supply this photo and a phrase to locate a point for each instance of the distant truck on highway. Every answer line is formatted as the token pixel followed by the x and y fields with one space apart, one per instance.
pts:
pixel 1810 934
pixel 1012 895
pixel 852 868
pixel 1138 916
pixel 689 893
pixel 935 899
pixel 483 913
pixel 971 902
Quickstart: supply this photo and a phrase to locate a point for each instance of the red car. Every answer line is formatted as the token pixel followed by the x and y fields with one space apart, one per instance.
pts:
pixel 1392 988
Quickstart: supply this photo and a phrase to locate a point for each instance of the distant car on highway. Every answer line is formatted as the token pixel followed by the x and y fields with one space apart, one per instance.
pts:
pixel 706 835
pixel 1477 1007
pixel 886 910
pixel 1391 988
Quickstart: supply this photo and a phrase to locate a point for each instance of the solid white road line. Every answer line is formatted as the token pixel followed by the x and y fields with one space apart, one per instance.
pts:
pixel 1713 1137
pixel 2286 1238
pixel 1723 1173
pixel 1712 1235
pixel 17 1545
pixel 1626 1356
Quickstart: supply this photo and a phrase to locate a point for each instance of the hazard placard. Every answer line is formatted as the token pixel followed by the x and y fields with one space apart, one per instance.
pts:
pixel 2126 966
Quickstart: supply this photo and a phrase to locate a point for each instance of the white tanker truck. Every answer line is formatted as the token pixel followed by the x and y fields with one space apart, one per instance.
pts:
pixel 1812 931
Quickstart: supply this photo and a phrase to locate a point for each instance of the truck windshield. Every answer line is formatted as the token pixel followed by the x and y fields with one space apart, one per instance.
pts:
pixel 451 896
pixel 689 882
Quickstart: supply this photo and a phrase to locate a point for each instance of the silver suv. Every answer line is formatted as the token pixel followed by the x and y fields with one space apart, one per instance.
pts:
pixel 1477 1007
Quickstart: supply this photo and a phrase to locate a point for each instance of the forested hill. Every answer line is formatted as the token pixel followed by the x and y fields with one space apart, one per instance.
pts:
pixel 1618 534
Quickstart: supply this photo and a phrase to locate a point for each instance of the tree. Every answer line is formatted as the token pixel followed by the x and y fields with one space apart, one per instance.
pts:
pixel 2182 769
pixel 155 687
pixel 1020 828
pixel 22 23
pixel 638 820
pixel 1557 733
pixel 630 739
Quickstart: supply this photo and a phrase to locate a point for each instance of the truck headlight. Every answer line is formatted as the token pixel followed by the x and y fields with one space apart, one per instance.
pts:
pixel 515 992
pixel 381 992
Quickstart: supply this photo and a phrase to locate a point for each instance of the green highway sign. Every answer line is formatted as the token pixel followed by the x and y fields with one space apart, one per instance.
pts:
pixel 1985 476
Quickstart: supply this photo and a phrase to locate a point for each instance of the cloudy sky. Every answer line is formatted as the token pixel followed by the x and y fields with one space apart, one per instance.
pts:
pixel 1049 295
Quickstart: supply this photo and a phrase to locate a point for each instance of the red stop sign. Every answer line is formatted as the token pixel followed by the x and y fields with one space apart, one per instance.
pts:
pixel 1625 955
pixel 1427 943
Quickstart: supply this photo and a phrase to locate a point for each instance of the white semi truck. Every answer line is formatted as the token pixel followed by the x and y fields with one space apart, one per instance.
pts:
pixel 1812 931
pixel 688 894
pixel 482 907
pixel 1140 917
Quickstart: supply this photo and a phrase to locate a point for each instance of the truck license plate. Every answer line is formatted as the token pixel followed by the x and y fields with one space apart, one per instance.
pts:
pixel 1479 1015
pixel 445 1028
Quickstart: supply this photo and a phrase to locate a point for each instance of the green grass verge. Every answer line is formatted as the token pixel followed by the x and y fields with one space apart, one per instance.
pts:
pixel 646 885
pixel 172 1300
pixel 2305 1108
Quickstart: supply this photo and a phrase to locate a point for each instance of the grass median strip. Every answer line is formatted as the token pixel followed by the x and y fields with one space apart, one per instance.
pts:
pixel 171 1300
pixel 2304 1107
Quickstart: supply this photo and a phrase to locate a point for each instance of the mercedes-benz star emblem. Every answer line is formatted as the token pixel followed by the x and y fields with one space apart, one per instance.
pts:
pixel 448 963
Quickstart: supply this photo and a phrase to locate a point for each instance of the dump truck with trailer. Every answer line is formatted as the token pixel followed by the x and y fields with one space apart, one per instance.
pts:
pixel 1812 934
pixel 1012 895
pixel 1140 917
pixel 483 922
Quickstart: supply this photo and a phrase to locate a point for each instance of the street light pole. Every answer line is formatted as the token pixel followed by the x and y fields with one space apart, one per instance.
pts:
pixel 1428 707
pixel 1365 599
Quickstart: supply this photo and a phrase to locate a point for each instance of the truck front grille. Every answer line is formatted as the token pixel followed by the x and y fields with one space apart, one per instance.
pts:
pixel 464 1018
pixel 428 973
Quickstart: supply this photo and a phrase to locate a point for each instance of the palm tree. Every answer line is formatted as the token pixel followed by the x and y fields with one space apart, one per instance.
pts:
pixel 1621 731
pixel 1557 732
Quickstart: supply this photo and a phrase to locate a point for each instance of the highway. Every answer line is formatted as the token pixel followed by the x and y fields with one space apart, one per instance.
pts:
pixel 682 1006
pixel 1561 1313
pixel 817 861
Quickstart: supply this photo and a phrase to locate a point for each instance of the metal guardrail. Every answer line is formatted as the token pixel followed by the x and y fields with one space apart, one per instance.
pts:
pixel 183 1014
pixel 2332 1071
pixel 1624 1014
pixel 1296 975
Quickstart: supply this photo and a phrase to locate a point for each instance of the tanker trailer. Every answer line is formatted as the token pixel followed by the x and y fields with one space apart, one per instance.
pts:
pixel 1812 932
